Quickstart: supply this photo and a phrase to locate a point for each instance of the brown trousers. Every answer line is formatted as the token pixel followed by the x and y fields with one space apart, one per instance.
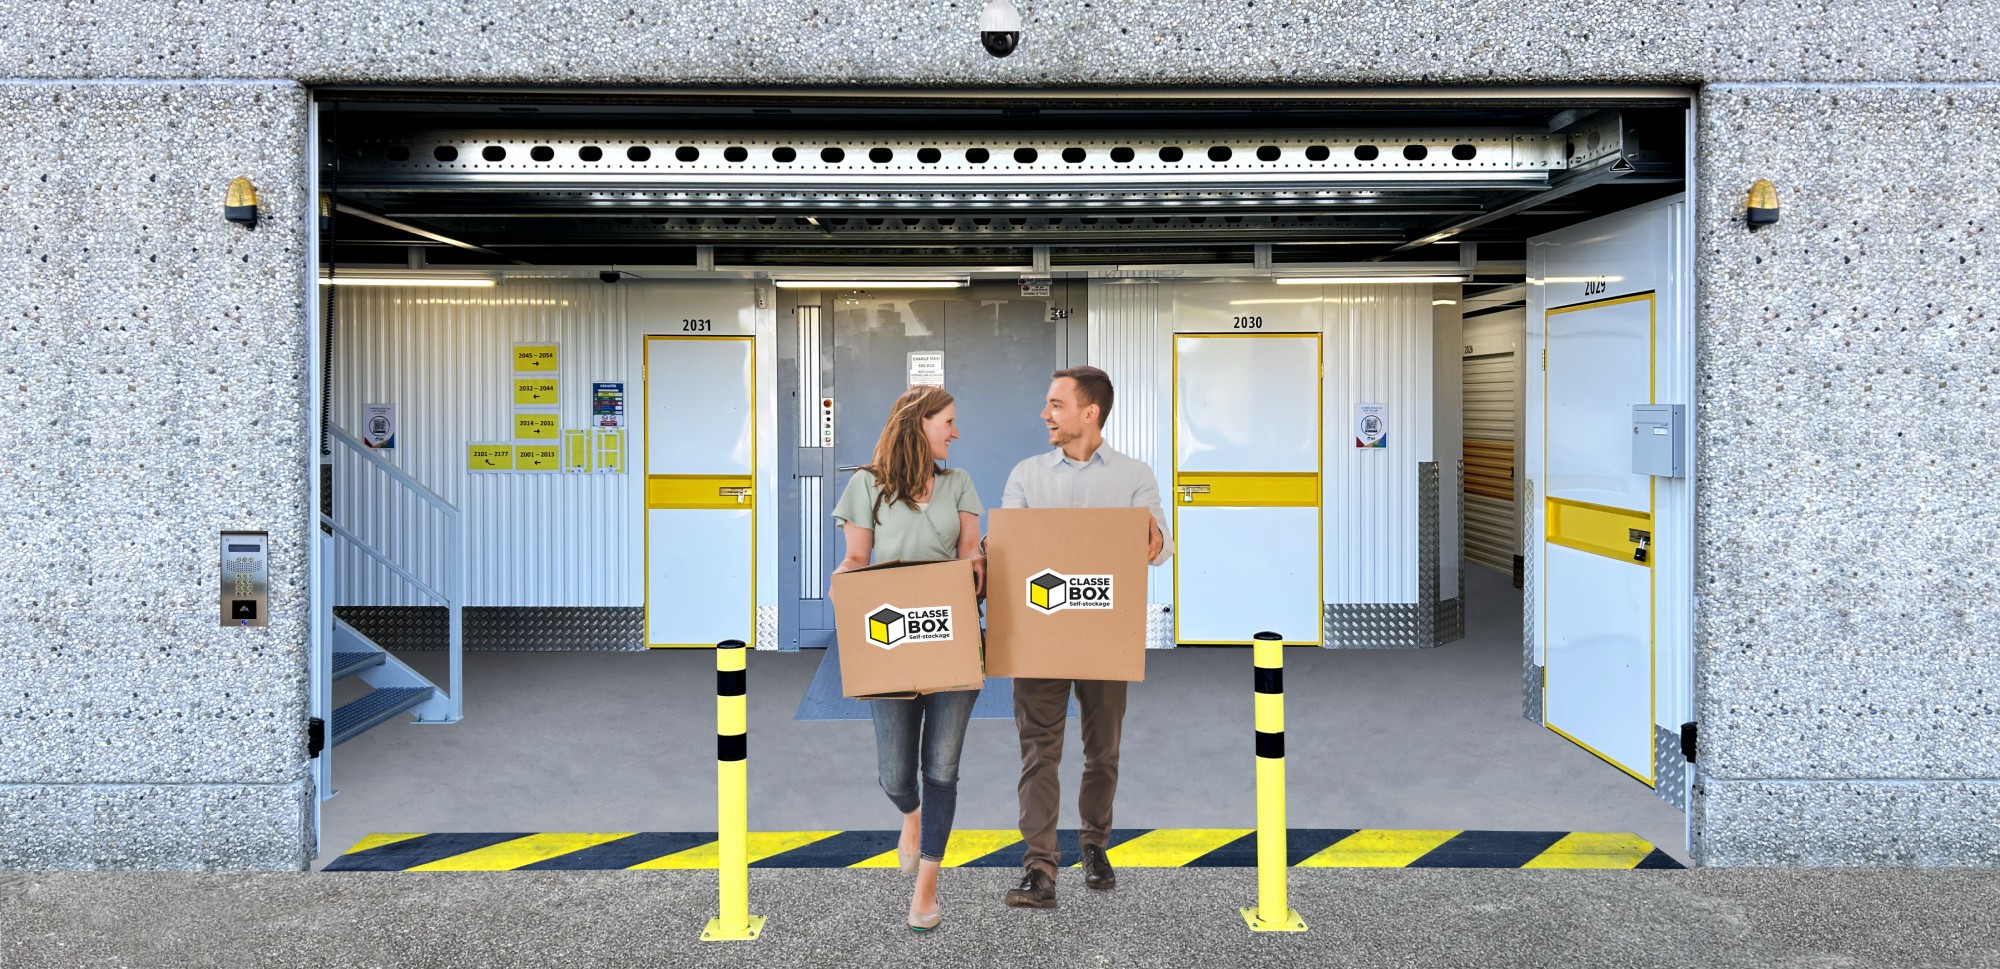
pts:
pixel 1040 709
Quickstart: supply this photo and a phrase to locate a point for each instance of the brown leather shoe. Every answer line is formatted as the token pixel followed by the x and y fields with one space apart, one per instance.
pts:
pixel 1097 871
pixel 1037 890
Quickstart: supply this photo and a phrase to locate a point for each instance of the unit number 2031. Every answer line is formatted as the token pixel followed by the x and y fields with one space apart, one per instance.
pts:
pixel 697 326
pixel 1249 323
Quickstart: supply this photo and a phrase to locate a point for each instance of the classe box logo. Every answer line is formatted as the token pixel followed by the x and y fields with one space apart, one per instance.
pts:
pixel 892 626
pixel 1052 591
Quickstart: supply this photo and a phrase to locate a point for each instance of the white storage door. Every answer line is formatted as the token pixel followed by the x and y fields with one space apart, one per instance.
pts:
pixel 1246 488
pixel 700 503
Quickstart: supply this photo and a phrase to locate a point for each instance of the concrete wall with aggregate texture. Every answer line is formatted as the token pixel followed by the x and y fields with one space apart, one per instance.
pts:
pixel 1848 532
pixel 1847 672
pixel 155 379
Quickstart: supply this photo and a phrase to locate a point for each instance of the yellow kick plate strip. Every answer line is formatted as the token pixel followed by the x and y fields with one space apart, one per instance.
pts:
pixel 1597 529
pixel 1240 489
pixel 964 846
pixel 699 491
pixel 761 845
pixel 1379 849
pixel 1171 847
pixel 520 852
pixel 1594 850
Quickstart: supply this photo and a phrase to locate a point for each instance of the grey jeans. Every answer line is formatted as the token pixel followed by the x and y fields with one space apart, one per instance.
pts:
pixel 923 735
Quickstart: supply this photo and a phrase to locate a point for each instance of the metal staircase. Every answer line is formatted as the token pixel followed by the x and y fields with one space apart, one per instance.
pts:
pixel 397 687
pixel 346 652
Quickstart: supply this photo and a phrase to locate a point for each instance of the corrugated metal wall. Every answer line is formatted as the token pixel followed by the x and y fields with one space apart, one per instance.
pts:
pixel 1378 351
pixel 1128 342
pixel 444 358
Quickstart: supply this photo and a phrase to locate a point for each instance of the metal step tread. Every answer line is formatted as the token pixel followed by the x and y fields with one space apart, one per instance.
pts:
pixel 356 717
pixel 348 664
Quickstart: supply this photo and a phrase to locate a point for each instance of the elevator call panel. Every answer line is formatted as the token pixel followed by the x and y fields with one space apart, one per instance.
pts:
pixel 246 578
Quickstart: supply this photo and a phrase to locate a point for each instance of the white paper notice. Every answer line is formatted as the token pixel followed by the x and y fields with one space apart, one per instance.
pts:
pixel 927 368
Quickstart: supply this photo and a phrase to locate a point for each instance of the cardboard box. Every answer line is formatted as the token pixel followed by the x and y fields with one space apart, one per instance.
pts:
pixel 1066 593
pixel 907 628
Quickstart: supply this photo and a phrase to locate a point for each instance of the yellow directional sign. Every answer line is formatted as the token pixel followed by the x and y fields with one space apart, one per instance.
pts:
pixel 538 457
pixel 489 457
pixel 537 426
pixel 535 390
pixel 535 357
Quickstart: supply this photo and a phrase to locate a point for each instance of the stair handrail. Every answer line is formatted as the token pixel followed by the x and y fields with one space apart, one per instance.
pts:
pixel 454 600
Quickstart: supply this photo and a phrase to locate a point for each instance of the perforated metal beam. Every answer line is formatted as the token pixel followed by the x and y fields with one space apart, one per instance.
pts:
pixel 780 169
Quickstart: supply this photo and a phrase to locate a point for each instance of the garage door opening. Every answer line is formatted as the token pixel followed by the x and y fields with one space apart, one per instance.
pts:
pixel 596 366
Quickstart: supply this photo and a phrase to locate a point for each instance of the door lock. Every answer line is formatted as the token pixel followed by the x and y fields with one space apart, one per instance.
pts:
pixel 1644 540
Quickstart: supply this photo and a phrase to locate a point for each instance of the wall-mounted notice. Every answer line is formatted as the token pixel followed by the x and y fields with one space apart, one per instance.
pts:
pixel 536 358
pixel 607 404
pixel 579 455
pixel 536 425
pixel 535 391
pixel 489 457
pixel 926 368
pixel 1371 426
pixel 611 452
pixel 378 426
pixel 538 457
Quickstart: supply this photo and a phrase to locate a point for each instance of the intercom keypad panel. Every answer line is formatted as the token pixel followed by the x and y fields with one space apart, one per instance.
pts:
pixel 246 578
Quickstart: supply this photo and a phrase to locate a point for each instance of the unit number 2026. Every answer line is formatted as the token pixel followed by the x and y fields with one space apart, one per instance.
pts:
pixel 1249 323
pixel 697 326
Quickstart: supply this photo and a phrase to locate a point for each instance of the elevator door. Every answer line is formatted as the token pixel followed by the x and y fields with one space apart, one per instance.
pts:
pixel 997 355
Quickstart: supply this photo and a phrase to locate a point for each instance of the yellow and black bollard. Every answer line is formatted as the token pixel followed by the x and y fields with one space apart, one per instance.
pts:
pixel 732 796
pixel 1273 912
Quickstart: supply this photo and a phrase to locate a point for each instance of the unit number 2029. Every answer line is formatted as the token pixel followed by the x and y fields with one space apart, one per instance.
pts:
pixel 697 326
pixel 1249 323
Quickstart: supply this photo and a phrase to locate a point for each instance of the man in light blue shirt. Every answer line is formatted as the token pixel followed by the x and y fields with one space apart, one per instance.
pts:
pixel 1080 473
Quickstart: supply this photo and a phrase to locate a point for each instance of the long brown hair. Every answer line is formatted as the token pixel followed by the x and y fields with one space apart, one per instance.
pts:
pixel 903 466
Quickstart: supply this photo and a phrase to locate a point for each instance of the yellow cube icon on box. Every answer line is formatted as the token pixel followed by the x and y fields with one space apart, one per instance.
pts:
pixel 1046 591
pixel 886 627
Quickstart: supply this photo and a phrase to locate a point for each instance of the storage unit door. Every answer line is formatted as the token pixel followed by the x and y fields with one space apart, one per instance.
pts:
pixel 700 507
pixel 1597 574
pixel 1246 488
pixel 1492 528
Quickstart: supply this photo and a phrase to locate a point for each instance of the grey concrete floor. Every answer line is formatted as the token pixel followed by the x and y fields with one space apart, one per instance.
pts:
pixel 1707 918
pixel 1419 739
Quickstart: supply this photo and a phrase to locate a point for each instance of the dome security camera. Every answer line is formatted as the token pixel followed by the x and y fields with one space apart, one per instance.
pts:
pixel 1000 28
pixel 609 276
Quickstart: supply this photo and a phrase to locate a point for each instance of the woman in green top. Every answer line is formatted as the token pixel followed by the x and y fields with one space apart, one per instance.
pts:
pixel 906 506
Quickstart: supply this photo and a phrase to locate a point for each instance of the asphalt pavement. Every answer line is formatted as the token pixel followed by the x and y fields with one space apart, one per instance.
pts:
pixel 1708 918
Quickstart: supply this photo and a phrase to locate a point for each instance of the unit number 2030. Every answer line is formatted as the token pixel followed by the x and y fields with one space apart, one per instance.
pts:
pixel 1249 323
pixel 697 326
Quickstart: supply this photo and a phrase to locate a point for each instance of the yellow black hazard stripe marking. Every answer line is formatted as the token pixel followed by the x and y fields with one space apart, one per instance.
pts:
pixel 1128 848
